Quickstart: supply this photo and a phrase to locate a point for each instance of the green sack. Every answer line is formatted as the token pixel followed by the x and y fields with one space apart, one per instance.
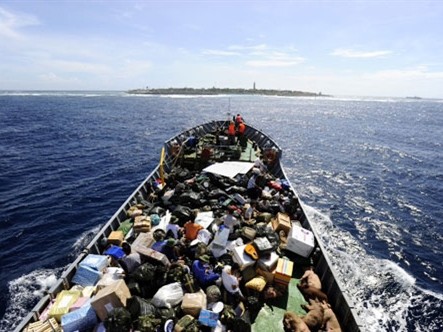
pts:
pixel 175 273
pixel 145 272
pixel 148 323
pixel 118 320
pixel 189 283
pixel 138 306
pixel 125 226
pixel 165 314
pixel 264 217
pixel 213 294
pixel 183 323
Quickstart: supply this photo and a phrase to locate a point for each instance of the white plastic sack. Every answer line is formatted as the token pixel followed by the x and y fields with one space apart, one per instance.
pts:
pixel 217 250
pixel 204 236
pixel 168 296
pixel 163 222
pixel 167 195
pixel 221 237
pixel 204 218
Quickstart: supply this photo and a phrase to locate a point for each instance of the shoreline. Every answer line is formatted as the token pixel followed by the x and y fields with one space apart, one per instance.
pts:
pixel 224 91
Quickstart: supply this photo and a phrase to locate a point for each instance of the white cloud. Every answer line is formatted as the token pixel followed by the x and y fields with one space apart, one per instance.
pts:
pixel 349 53
pixel 421 72
pixel 11 23
pixel 259 47
pixel 260 55
pixel 78 67
pixel 275 62
pixel 220 53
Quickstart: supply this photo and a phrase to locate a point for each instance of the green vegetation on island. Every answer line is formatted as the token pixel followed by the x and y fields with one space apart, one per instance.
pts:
pixel 224 91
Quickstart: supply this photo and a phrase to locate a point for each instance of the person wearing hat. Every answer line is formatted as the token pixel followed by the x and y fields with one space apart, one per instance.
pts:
pixel 173 229
pixel 203 271
pixel 169 249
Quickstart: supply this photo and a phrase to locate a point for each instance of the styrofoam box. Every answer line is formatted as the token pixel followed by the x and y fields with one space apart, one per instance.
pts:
pixel 300 241
pixel 268 263
pixel 242 258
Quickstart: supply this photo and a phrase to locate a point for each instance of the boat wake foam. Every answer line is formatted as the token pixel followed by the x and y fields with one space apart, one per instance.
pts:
pixel 25 292
pixel 385 295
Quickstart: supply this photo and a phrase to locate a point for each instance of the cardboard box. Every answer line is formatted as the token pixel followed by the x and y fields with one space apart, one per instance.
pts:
pixel 65 299
pixel 142 224
pixel 81 301
pixel 151 255
pixel 249 233
pixel 300 241
pixel 113 296
pixel 193 303
pixel 49 325
pixel 282 222
pixel 242 258
pixel 82 319
pixel 116 237
pixel 86 276
pixel 283 272
pixel 144 240
pixel 96 262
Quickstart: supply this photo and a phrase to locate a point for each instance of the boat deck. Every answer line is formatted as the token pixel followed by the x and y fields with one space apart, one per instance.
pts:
pixel 270 316
pixel 212 147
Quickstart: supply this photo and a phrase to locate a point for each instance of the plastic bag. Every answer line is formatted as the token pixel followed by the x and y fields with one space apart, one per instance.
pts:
pixel 221 237
pixel 168 296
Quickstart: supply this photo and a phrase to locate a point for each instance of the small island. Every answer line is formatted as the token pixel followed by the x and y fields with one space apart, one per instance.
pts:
pixel 224 91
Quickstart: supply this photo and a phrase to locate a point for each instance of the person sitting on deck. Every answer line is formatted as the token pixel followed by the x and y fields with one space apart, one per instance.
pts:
pixel 203 272
pixel 191 229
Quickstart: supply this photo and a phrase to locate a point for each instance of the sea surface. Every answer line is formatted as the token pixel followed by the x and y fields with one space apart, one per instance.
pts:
pixel 369 171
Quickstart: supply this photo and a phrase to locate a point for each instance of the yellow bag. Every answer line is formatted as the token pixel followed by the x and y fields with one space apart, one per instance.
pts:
pixel 257 284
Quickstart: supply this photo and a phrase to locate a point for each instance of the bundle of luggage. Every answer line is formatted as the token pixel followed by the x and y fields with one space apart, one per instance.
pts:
pixel 163 267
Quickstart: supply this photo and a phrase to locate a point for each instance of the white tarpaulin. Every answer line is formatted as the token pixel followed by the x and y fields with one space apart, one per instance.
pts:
pixel 229 168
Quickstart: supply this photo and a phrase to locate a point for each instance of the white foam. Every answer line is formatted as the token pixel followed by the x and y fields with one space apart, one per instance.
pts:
pixel 25 292
pixel 384 294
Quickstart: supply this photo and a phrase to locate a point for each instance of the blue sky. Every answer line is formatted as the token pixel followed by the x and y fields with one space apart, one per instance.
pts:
pixel 364 48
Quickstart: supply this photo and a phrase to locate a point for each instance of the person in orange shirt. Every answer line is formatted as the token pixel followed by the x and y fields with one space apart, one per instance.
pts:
pixel 238 119
pixel 231 132
pixel 241 134
pixel 241 128
pixel 191 230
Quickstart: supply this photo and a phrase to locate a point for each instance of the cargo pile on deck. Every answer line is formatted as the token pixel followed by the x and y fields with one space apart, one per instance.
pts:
pixel 172 264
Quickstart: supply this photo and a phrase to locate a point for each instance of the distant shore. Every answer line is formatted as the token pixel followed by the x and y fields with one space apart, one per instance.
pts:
pixel 225 91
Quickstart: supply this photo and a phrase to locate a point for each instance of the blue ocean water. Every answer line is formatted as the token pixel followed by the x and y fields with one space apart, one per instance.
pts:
pixel 368 170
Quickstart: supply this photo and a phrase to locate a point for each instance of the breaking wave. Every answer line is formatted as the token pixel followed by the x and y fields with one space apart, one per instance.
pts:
pixel 385 296
pixel 25 292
